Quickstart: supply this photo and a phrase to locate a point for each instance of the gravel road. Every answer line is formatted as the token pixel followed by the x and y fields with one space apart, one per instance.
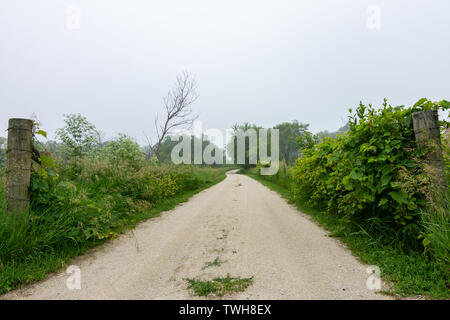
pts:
pixel 249 227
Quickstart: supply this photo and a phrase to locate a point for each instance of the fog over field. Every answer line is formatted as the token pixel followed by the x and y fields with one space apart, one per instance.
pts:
pixel 260 61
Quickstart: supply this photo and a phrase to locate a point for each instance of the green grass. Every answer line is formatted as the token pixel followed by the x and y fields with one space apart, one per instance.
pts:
pixel 216 263
pixel 407 274
pixel 218 286
pixel 31 252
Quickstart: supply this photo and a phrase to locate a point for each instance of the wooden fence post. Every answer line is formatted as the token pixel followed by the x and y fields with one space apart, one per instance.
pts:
pixel 428 136
pixel 18 165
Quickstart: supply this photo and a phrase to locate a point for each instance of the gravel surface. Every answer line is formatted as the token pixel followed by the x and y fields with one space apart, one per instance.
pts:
pixel 252 230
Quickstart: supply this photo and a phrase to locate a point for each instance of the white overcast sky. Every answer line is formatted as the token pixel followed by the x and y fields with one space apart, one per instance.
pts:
pixel 259 61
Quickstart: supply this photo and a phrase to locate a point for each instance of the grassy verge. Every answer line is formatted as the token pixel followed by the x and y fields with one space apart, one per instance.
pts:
pixel 27 268
pixel 408 274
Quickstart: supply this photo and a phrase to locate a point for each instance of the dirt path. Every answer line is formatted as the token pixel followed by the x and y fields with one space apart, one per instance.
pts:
pixel 238 220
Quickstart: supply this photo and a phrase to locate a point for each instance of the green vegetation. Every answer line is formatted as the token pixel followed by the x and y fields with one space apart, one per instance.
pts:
pixel 216 263
pixel 79 136
pixel 2 153
pixel 85 195
pixel 165 150
pixel 242 134
pixel 372 188
pixel 369 184
pixel 373 176
pixel 219 286
pixel 289 131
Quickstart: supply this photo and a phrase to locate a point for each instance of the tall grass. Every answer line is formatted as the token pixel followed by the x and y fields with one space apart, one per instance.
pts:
pixel 436 224
pixel 283 177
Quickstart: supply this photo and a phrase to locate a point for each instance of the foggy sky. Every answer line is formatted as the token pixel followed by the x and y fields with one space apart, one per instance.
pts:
pixel 259 61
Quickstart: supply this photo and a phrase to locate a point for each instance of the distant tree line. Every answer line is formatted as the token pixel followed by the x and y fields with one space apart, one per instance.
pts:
pixel 79 137
pixel 293 137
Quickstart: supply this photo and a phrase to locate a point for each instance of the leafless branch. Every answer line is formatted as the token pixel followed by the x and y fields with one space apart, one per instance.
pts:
pixel 178 112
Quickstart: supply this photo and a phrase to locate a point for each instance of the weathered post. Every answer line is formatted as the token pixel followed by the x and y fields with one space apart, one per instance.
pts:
pixel 428 136
pixel 18 165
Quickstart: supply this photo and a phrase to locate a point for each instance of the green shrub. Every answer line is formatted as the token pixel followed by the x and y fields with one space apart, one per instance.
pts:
pixel 446 152
pixel 79 137
pixel 371 177
pixel 436 235
pixel 124 148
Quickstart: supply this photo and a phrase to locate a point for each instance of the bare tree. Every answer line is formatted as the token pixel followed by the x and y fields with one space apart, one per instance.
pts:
pixel 178 111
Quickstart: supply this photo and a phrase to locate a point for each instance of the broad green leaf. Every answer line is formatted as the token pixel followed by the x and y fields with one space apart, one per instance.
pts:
pixel 399 196
pixel 42 133
pixel 420 102
pixel 356 175
pixel 47 161
pixel 383 201
pixel 385 180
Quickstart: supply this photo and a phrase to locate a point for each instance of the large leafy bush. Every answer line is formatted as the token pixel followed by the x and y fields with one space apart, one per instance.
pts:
pixel 372 175
pixel 124 148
